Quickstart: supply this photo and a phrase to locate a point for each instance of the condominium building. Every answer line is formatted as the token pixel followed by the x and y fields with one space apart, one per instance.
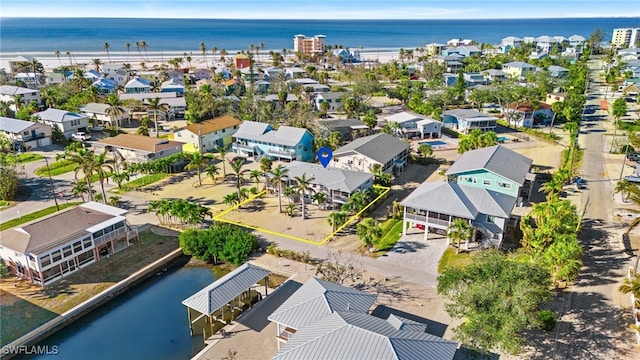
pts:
pixel 625 37
pixel 308 46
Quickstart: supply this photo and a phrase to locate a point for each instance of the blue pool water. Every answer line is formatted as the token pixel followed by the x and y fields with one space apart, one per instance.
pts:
pixel 502 139
pixel 433 142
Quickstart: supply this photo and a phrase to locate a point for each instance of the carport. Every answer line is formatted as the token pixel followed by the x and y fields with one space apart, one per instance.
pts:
pixel 213 307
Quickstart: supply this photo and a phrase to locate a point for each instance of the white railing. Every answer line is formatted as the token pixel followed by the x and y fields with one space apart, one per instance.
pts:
pixel 107 237
pixel 430 220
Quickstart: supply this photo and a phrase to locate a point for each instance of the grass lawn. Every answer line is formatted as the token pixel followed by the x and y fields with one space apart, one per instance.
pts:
pixel 391 233
pixel 57 168
pixel 23 158
pixel 34 215
pixel 140 182
pixel 25 306
pixel 451 259
pixel 4 203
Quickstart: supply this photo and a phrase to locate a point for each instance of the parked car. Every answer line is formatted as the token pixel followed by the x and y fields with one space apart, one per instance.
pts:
pixel 81 136
pixel 633 156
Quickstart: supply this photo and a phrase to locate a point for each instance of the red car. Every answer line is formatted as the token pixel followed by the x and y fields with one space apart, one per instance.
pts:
pixel 420 226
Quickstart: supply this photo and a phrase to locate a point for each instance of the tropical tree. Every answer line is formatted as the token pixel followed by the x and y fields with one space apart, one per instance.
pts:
pixel 290 209
pixel 156 105
pixel 97 63
pixel 303 187
pixel 142 130
pixel 624 187
pixel 106 46
pixel 320 198
pixel 203 50
pixel 425 150
pixel 337 218
pixel 103 166
pixel 231 199
pixel 477 139
pixel 213 171
pixel 238 173
pixel 119 177
pixel 197 161
pixel 114 200
pixel 369 231
pixel 79 189
pixel 84 161
pixel 631 286
pixel 459 230
pixel 115 109
pixel 278 176
pixel 222 152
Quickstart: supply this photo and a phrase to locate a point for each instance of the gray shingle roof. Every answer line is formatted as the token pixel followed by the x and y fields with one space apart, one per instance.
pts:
pixel 285 135
pixel 348 335
pixel 15 90
pixel 95 108
pixel 331 178
pixel 14 126
pixel 460 200
pixel 496 159
pixel 317 299
pixel 380 147
pixel 225 289
pixel 56 115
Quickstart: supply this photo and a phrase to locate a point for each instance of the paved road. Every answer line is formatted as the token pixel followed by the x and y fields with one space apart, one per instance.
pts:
pixel 593 326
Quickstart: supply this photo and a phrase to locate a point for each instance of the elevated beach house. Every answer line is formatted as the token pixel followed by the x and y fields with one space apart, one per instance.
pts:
pixel 67 122
pixel 338 184
pixel 363 153
pixel 324 320
pixel 10 93
pixel 518 69
pixel 465 120
pixel 528 115
pixel 208 135
pixel 285 143
pixel 45 250
pixel 100 113
pixel 410 125
pixel 137 85
pixel 139 148
pixel 25 135
pixel 483 188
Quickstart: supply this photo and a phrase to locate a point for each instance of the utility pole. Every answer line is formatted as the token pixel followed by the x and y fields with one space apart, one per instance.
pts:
pixel 53 192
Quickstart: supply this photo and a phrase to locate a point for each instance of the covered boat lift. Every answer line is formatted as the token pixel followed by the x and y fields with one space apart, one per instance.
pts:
pixel 215 306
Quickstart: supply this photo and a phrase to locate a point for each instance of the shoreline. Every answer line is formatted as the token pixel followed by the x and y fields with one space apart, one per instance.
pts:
pixel 50 61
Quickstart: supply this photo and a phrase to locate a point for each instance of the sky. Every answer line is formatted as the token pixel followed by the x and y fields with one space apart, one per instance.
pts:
pixel 321 9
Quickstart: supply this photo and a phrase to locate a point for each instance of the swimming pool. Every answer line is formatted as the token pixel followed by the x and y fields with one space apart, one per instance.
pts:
pixel 433 143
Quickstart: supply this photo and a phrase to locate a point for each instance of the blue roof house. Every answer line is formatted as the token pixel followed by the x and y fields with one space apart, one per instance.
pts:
pixel 105 86
pixel 261 139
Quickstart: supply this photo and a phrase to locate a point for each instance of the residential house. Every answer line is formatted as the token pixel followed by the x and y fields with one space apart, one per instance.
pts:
pixel 30 79
pixel 518 69
pixel 15 64
pixel 525 115
pixel 207 135
pixel 234 86
pixel 119 76
pixel 100 113
pixel 512 41
pixel 459 42
pixel 494 75
pixel 67 122
pixel 546 43
pixel 25 135
pixel 347 56
pixel 338 184
pixel 201 74
pixel 176 107
pixel 472 79
pixel 45 250
pixel 271 73
pixel 55 78
pixel 464 51
pixel 294 73
pixel 465 120
pixel 558 71
pixel 323 320
pixel 434 49
pixel 285 143
pixel 241 61
pixel 9 93
pixel 334 99
pixel 349 129
pixel 410 125
pixel 576 41
pixel 363 153
pixel 105 86
pixel 275 99
pixel 495 168
pixel 137 85
pixel 139 148
pixel 173 86
pixel 92 75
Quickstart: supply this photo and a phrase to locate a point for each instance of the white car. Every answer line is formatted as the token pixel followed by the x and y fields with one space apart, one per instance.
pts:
pixel 81 136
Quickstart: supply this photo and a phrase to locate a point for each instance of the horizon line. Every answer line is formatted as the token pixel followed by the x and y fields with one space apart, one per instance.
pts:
pixel 322 19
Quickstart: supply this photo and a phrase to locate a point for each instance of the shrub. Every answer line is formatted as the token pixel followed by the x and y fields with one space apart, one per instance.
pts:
pixel 547 320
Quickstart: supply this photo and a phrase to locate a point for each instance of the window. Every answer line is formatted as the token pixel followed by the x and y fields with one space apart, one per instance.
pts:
pixel 475 181
pixel 300 147
pixel 486 182
pixel 45 260
pixel 504 185
pixel 67 251
pixel 77 246
pixel 57 255
pixel 491 219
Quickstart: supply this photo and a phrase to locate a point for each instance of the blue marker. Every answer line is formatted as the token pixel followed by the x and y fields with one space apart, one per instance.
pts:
pixel 324 155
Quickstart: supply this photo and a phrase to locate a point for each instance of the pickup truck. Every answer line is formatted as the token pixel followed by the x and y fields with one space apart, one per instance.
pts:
pixel 81 136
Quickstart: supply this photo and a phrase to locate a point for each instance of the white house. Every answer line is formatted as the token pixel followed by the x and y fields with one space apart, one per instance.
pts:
pixel 334 99
pixel 25 135
pixel 66 122
pixel 465 120
pixel 137 85
pixel 11 93
pixel 100 113
pixel 526 115
pixel 46 250
pixel 363 153
pixel 411 124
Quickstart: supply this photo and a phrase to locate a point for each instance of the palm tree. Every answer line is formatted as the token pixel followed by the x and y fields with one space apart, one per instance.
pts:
pixel 212 171
pixel 57 52
pixel 103 167
pixel 425 150
pixel 127 47
pixel 279 174
pixel 156 106
pixel 115 109
pixel 231 199
pixel 68 53
pixel 144 46
pixel 369 231
pixel 337 218
pixel 631 286
pixel 142 130
pixel 114 200
pixel 303 186
pixel 120 177
pixel 197 161
pixel 624 187
pixel 84 160
pixel 106 47
pixel 203 50
pixel 320 198
pixel 290 209
pixel 222 152
pixel 79 189
pixel 459 230
pixel 236 167
pixel 97 63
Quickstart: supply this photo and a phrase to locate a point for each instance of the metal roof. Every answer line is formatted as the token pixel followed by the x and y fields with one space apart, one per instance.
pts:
pixel 57 115
pixel 16 90
pixel 469 115
pixel 348 335
pixel 380 147
pixel 403 117
pixel 225 289
pixel 317 299
pixel 285 135
pixel 331 178
pixel 460 200
pixel 14 126
pixel 497 159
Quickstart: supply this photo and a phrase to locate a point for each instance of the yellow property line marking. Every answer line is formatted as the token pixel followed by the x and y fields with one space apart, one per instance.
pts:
pixel 351 219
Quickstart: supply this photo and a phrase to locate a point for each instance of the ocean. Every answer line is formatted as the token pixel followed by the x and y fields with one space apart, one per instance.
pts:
pixel 87 35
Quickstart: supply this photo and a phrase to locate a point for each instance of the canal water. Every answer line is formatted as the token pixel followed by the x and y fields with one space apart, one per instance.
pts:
pixel 147 322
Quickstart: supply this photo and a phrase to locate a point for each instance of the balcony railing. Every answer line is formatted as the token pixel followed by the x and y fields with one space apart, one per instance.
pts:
pixel 33 137
pixel 243 147
pixel 110 236
pixel 287 153
pixel 430 220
